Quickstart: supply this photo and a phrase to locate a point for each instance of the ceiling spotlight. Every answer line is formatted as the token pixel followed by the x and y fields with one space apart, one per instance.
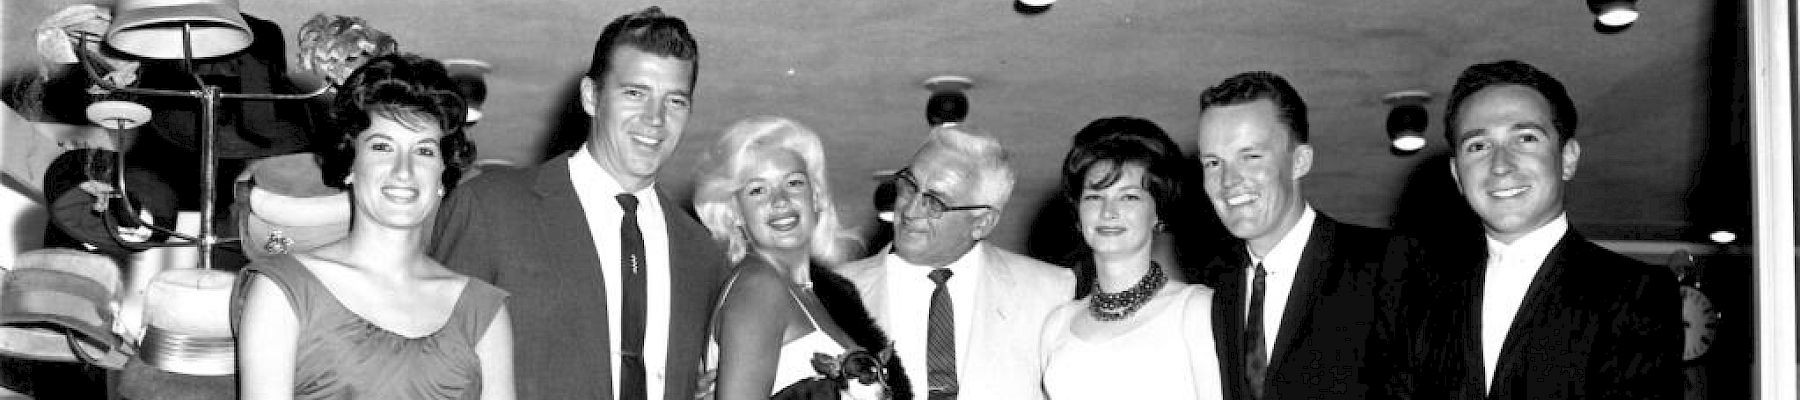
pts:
pixel 1407 121
pixel 1723 237
pixel 1612 16
pixel 1032 7
pixel 947 104
pixel 470 77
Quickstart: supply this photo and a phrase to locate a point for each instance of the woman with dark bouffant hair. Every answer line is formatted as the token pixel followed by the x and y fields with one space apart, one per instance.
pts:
pixel 371 316
pixel 1136 333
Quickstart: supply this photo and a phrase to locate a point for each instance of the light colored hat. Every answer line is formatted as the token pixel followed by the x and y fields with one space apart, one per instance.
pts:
pixel 55 301
pixel 188 313
pixel 278 224
pixel 153 28
pixel 290 208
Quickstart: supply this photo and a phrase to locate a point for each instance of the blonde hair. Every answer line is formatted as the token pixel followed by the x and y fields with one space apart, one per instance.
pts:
pixel 719 178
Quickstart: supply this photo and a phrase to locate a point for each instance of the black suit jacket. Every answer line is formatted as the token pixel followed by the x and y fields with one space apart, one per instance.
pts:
pixel 1593 325
pixel 1322 350
pixel 524 230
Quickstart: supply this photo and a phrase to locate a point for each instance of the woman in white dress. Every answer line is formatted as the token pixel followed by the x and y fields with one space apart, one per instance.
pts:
pixel 762 192
pixel 1138 333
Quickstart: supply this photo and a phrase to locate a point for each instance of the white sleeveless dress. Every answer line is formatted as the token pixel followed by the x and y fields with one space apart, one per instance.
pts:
pixel 795 358
pixel 1148 362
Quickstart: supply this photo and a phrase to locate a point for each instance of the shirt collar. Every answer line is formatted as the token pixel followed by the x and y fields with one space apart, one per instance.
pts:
pixel 1285 256
pixel 1535 245
pixel 962 265
pixel 584 170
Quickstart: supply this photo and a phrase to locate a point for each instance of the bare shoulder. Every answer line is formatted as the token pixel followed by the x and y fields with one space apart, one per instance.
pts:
pixel 756 286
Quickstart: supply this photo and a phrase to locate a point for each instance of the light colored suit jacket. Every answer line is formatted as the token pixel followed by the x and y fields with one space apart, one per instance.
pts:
pixel 1015 296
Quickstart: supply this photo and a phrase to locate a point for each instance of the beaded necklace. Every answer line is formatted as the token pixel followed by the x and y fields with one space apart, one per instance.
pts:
pixel 1116 306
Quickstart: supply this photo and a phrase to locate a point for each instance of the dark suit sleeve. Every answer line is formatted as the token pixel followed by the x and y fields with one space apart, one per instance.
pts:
pixel 452 238
pixel 1643 358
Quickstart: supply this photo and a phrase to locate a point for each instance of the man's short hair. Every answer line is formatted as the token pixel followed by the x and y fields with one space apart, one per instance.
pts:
pixel 1260 85
pixel 648 30
pixel 993 176
pixel 1512 72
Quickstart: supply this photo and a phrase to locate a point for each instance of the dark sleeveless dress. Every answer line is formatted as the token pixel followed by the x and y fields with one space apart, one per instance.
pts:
pixel 339 355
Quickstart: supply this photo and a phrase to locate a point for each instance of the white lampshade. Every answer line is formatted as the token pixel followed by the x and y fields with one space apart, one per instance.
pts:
pixel 152 28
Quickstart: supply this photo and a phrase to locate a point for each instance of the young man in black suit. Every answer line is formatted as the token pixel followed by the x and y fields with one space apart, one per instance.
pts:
pixel 1542 312
pixel 1297 291
pixel 611 281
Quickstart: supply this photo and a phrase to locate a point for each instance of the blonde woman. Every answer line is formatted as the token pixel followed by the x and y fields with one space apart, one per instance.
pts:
pixel 763 193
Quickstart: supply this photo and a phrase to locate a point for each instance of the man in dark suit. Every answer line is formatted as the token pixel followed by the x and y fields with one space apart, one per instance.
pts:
pixel 611 281
pixel 1297 291
pixel 1539 312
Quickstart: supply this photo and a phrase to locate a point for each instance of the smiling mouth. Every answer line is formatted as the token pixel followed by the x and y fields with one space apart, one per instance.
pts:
pixel 784 223
pixel 1109 230
pixel 645 140
pixel 401 194
pixel 1242 199
pixel 1509 192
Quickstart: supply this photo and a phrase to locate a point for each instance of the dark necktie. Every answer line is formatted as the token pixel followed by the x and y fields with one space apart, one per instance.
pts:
pixel 632 265
pixel 1256 358
pixel 940 341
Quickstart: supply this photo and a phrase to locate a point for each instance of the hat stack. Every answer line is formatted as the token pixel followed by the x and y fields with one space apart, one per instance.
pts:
pixel 56 299
pixel 189 316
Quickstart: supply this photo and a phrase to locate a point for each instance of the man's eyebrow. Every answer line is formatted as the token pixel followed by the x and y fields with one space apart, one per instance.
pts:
pixel 1529 125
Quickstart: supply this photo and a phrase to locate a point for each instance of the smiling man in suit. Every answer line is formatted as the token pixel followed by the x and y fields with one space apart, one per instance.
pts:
pixel 1297 291
pixel 611 282
pixel 963 314
pixel 1544 313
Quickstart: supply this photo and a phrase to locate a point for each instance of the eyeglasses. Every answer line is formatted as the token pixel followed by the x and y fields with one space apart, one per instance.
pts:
pixel 907 186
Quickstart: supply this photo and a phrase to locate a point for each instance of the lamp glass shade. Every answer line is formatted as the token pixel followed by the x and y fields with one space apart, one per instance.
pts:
pixel 1409 142
pixel 1617 13
pixel 153 28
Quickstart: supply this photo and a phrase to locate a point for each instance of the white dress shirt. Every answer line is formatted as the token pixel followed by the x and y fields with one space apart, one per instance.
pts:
pixel 1510 268
pixel 1282 262
pixel 909 311
pixel 595 188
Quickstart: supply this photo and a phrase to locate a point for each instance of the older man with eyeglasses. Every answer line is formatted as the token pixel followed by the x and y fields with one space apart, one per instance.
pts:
pixel 963 314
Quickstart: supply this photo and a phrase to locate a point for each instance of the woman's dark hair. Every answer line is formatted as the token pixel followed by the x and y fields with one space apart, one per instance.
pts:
pixel 1114 142
pixel 401 87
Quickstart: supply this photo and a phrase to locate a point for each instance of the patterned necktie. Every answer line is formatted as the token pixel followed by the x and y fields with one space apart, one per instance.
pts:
pixel 1256 358
pixel 631 342
pixel 940 341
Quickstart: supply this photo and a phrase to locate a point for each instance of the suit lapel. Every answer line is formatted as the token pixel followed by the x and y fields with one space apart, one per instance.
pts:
pixel 870 278
pixel 1469 345
pixel 989 326
pixel 557 193
pixel 689 295
pixel 1312 272
pixel 1228 320
pixel 1531 310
